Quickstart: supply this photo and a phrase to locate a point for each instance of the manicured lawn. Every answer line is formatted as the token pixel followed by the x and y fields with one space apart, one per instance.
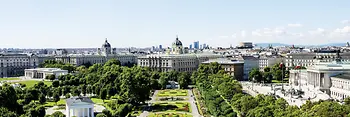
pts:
pixel 51 104
pixel 172 93
pixel 99 101
pixel 2 79
pixel 278 81
pixel 31 83
pixel 169 115
pixel 171 106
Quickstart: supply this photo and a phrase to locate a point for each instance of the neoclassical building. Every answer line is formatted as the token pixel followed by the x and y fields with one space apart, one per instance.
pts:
pixel 15 64
pixel 175 59
pixel 79 107
pixel 331 78
pixel 105 53
pixel 309 59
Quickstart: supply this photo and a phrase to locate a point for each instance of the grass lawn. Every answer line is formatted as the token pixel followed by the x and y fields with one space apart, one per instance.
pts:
pixel 286 80
pixel 171 106
pixel 99 101
pixel 171 93
pixel 169 115
pixel 51 104
pixel 31 83
pixel 2 79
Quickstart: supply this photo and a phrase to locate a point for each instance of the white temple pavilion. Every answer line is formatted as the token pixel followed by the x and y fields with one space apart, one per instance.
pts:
pixel 79 107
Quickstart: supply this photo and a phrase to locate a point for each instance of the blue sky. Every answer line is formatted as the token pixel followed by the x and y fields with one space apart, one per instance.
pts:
pixel 144 23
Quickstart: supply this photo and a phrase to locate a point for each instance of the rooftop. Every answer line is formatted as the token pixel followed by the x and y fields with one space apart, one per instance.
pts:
pixel 78 99
pixel 224 61
pixel 46 69
pixel 343 76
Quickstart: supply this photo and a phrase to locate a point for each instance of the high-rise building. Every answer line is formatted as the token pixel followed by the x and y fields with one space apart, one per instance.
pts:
pixel 196 45
pixel 191 46
pixel 160 47
pixel 204 46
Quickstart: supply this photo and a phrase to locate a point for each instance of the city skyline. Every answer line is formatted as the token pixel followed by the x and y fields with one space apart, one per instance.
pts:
pixel 76 24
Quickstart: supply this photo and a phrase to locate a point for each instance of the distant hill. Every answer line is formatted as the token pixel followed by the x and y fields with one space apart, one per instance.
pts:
pixel 282 44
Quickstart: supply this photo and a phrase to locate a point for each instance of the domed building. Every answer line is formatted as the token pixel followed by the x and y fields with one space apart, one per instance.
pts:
pixel 177 47
pixel 105 49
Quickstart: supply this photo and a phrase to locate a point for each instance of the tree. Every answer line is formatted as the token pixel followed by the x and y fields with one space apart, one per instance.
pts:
pixel 184 80
pixel 55 83
pixel 56 97
pixel 103 94
pixel 347 101
pixel 267 77
pixel 42 99
pixel 163 80
pixel 101 115
pixel 255 75
pixel 277 74
pixel 6 113
pixel 41 111
pixel 245 104
pixel 51 77
pixel 263 111
pixel 75 91
pixel 112 62
pixel 58 114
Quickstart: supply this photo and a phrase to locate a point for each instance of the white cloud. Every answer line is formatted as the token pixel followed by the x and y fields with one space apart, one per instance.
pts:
pixel 295 25
pixel 344 30
pixel 270 32
pixel 223 36
pixel 318 31
pixel 234 35
pixel 345 22
pixel 243 34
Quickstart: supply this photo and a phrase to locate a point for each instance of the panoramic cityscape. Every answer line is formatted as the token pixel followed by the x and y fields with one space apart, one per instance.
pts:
pixel 175 58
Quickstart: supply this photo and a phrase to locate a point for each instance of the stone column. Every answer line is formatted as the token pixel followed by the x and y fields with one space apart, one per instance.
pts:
pixel 73 112
pixel 67 111
pixel 92 112
pixel 84 112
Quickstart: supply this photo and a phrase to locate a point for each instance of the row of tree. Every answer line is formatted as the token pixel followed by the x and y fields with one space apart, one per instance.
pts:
pixel 216 87
pixel 220 93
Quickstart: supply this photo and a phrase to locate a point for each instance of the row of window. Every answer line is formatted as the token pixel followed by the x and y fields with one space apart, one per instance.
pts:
pixel 341 84
pixel 15 60
pixel 339 95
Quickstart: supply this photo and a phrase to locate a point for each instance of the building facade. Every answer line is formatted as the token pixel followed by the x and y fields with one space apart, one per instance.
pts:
pixel 268 61
pixel 231 67
pixel 14 64
pixel 309 59
pixel 105 53
pixel 41 73
pixel 176 62
pixel 175 59
pixel 250 62
pixel 340 88
pixel 324 76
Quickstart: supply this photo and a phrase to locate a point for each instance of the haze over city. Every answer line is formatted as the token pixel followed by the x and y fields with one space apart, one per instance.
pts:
pixel 140 23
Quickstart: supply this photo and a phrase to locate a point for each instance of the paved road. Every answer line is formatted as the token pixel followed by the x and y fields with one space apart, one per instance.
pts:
pixel 190 100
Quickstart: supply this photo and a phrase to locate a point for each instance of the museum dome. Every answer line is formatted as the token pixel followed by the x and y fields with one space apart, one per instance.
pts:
pixel 177 42
pixel 106 44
